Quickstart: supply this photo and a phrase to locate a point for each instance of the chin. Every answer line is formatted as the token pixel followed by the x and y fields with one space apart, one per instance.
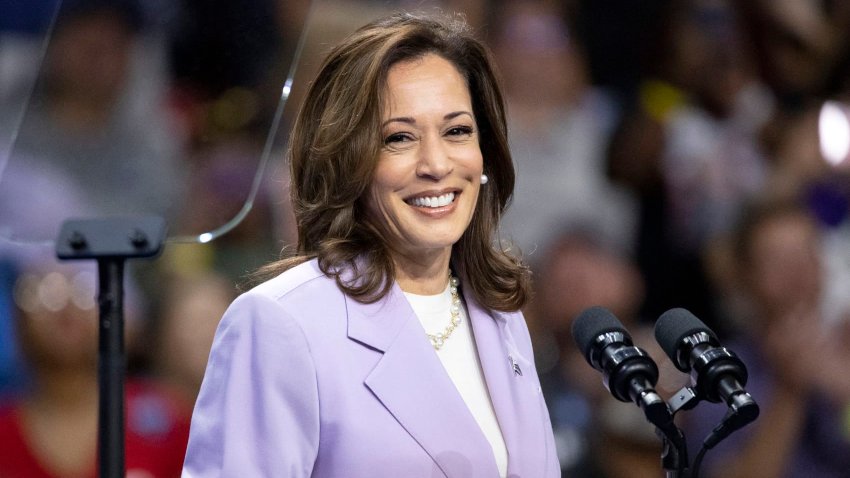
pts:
pixel 429 242
pixel 439 239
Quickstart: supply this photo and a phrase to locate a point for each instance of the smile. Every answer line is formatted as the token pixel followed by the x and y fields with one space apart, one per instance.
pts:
pixel 432 201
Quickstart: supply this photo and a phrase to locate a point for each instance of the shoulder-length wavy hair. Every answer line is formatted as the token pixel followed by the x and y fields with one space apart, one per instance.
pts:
pixel 335 145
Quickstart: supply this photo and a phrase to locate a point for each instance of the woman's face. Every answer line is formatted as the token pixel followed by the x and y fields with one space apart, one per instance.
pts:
pixel 429 170
pixel 58 321
pixel 785 270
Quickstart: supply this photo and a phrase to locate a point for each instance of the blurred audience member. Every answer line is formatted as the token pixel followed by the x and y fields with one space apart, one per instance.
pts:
pixel 35 220
pixel 796 360
pixel 596 435
pixel 711 160
pixel 185 325
pixel 691 149
pixel 51 429
pixel 559 126
pixel 97 114
pixel 805 168
pixel 799 44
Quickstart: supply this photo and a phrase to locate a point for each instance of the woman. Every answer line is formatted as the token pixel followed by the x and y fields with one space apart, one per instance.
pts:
pixel 363 358
pixel 51 429
pixel 796 358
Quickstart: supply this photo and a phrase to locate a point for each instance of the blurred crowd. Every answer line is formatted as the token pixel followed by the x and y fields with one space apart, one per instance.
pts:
pixel 670 153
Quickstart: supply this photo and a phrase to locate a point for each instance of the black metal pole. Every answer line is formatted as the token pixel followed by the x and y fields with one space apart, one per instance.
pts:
pixel 111 241
pixel 674 454
pixel 111 365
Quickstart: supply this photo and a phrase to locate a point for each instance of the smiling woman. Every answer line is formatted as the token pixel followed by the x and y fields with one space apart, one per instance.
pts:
pixel 428 175
pixel 339 138
pixel 390 343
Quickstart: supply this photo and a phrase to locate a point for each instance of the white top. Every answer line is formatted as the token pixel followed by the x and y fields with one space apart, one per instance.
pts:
pixel 460 359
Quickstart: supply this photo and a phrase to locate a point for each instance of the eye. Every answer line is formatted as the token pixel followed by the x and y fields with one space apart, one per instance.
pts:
pixel 460 131
pixel 397 138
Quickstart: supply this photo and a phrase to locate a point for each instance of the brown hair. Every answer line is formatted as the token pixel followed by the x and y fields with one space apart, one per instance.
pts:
pixel 334 149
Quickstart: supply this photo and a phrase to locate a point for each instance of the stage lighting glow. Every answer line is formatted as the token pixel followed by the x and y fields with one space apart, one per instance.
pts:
pixel 834 132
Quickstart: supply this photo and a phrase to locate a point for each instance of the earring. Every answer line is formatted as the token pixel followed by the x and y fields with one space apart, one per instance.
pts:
pixel 484 179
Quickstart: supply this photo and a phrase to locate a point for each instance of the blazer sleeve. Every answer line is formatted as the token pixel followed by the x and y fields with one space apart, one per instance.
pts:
pixel 257 413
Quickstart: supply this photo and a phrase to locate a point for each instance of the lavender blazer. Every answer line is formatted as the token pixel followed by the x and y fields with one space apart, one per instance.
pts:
pixel 303 381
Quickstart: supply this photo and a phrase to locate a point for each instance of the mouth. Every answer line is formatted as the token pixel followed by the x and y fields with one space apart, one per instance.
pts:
pixel 430 200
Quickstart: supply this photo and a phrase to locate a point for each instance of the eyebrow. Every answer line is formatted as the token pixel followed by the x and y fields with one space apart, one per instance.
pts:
pixel 410 120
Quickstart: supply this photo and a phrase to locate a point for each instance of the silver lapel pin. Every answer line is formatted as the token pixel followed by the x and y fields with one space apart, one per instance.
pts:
pixel 514 365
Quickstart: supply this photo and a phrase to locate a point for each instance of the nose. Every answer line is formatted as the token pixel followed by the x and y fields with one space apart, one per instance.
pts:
pixel 434 159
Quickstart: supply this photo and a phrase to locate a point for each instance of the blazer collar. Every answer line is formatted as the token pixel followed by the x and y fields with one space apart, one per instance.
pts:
pixel 410 381
pixel 378 324
pixel 510 378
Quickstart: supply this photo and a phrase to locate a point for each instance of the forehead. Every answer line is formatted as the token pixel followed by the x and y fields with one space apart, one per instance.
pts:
pixel 422 77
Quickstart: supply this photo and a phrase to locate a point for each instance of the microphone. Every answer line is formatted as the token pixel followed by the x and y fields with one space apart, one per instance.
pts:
pixel 628 372
pixel 719 375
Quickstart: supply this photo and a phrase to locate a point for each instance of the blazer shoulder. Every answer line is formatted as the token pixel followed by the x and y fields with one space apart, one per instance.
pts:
pixel 303 294
pixel 303 276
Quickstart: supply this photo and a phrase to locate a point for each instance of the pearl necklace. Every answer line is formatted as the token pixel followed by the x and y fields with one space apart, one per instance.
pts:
pixel 439 339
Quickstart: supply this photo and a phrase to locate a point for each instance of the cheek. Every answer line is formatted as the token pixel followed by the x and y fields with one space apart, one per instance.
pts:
pixel 391 175
pixel 474 159
pixel 475 164
pixel 476 192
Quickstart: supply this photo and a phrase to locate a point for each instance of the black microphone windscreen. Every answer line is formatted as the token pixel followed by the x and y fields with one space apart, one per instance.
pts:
pixel 591 323
pixel 673 326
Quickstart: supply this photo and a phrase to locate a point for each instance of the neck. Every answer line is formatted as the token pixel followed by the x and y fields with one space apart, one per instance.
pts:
pixel 423 276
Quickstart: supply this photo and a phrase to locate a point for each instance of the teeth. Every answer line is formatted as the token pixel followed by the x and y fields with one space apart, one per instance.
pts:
pixel 433 201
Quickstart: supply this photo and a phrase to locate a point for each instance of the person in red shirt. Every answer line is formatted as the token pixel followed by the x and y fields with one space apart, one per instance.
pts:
pixel 50 431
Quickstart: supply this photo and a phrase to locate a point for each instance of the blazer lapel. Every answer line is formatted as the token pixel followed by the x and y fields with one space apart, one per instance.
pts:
pixel 412 384
pixel 513 390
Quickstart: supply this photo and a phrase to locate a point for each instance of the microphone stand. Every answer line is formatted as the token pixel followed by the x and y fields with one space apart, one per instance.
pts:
pixel 111 241
pixel 675 448
pixel 674 455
